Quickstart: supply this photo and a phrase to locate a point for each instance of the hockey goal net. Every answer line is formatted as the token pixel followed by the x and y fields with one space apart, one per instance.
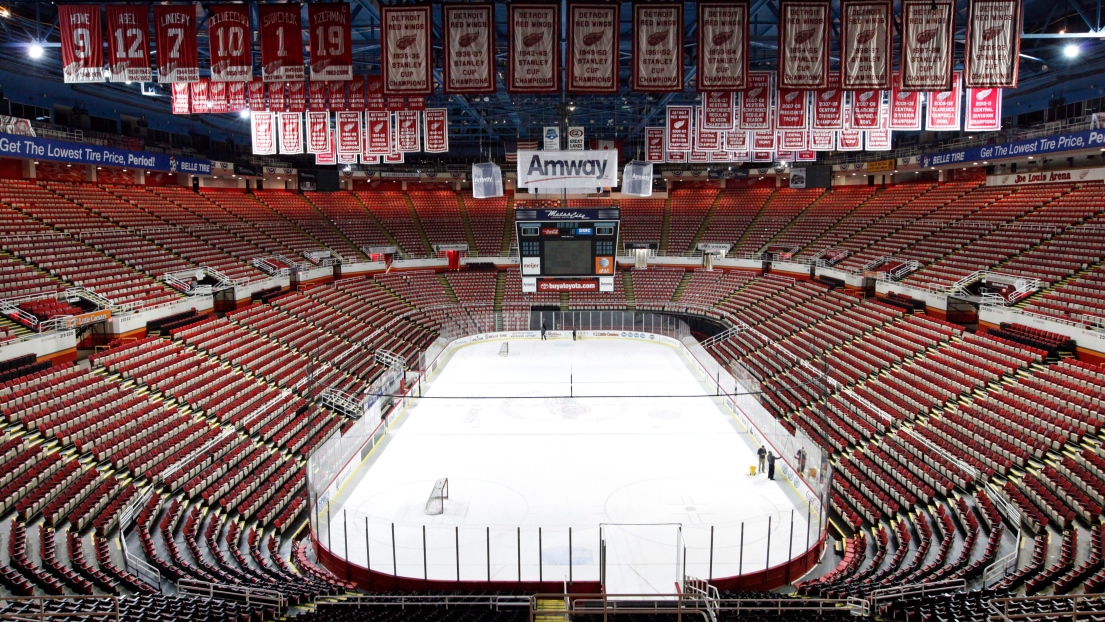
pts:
pixel 436 503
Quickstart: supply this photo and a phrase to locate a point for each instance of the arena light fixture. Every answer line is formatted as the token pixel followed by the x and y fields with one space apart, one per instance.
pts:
pixel 244 114
pixel 35 51
pixel 4 12
pixel 1071 50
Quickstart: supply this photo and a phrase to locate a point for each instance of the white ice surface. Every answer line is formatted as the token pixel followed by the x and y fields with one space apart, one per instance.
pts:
pixel 530 463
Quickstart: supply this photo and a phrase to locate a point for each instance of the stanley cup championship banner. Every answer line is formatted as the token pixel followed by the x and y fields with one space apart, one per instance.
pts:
pixel 804 28
pixel 281 42
pixel 927 45
pixel 177 54
pixel 657 47
pixel 468 48
pixel 406 55
pixel 993 46
pixel 533 39
pixel 82 43
pixel 722 46
pixel 128 50
pixel 228 34
pixel 331 36
pixel 436 130
pixel 865 38
pixel 593 48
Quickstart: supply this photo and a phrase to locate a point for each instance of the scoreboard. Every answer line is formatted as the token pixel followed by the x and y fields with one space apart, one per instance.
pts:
pixel 569 243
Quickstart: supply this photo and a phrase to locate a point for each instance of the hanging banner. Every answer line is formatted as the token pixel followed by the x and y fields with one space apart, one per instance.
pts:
pixel 866 109
pixel 468 48
pixel 128 51
pixel 82 43
pixel 407 126
pixel 865 38
pixel 350 132
pixel 637 179
pixel 236 99
pixel 593 48
pixel 316 96
pixel 804 28
pixel 406 55
pixel 677 157
pixel 657 47
pixel 717 108
pixel 983 110
pixel 736 141
pixel 177 56
pixel 722 46
pixel 330 156
pixel 181 98
pixel 763 156
pixel 567 169
pixel 281 36
pixel 291 133
pixel 849 139
pixel 533 41
pixel 216 98
pixel 944 110
pixel 551 138
pixel 487 180
pixel 793 140
pixel 791 109
pixel 905 108
pixel 297 97
pixel 335 92
pixel 823 140
pixel 705 140
pixel 378 132
pixel 755 111
pixel 575 137
pixel 355 100
pixel 228 32
pixel 654 144
pixel 436 130
pixel 278 96
pixel 927 51
pixel 199 97
pixel 257 95
pixel 331 38
pixel 828 106
pixel 318 131
pixel 263 126
pixel 991 58
pixel 764 140
pixel 878 140
pixel 680 120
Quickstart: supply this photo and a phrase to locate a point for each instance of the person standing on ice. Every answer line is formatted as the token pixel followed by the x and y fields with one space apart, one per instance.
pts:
pixel 543 337
pixel 761 453
pixel 771 465
pixel 573 334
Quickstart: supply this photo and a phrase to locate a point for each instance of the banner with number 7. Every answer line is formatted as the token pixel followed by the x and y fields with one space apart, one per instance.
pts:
pixel 177 56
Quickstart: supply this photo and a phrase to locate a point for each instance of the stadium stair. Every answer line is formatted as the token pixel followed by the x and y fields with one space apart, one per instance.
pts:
pixel 627 284
pixel 427 247
pixel 376 221
pixel 682 286
pixel 705 223
pixel 550 604
pixel 665 227
pixel 752 225
pixel 508 226
pixel 565 301
pixel 449 293
pixel 468 235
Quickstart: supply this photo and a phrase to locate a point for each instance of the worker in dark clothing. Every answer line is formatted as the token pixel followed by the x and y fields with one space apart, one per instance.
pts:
pixel 761 453
pixel 543 337
pixel 573 334
pixel 771 465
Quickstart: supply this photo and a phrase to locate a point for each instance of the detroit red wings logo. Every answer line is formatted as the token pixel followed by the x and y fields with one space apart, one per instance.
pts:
pixel 592 38
pixel 926 36
pixel 378 127
pixel 804 36
pixel 679 125
pixel 866 36
pixel 992 32
pixel 655 141
pixel 533 39
pixel 436 126
pixel 722 38
pixel 657 38
pixel 408 123
pixel 827 95
pixel 468 39
pixel 755 92
pixel 791 96
pixel 983 94
pixel 348 128
pixel 403 43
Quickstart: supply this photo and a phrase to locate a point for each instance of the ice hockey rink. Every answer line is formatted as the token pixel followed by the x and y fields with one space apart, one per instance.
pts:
pixel 609 434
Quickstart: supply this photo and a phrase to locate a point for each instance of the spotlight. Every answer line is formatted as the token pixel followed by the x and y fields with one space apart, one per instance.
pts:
pixel 4 12
pixel 1071 50
pixel 35 51
pixel 244 114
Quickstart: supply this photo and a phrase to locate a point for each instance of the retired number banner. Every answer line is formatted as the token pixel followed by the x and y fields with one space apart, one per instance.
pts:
pixel 993 47
pixel 177 56
pixel 281 42
pixel 82 43
pixel 468 48
pixel 128 51
pixel 436 130
pixel 331 39
pixel 865 37
pixel 755 110
pixel 983 110
pixel 318 132
pixel 680 121
pixel 654 144
pixel 804 28
pixel 378 132
pixel 828 106
pixel 943 112
pixel 263 126
pixel 349 131
pixel 722 46
pixel 790 110
pixel 407 126
pixel 291 133
pixel 228 33
pixel 717 108
pixel 658 47
pixel 533 39
pixel 927 45
pixel 905 108
pixel 593 48
pixel 406 55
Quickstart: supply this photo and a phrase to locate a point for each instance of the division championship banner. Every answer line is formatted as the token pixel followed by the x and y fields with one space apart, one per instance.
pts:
pixel 318 132
pixel 983 110
pixel 128 51
pixel 228 37
pixel 82 43
pixel 905 108
pixel 533 39
pixel 468 48
pixel 593 48
pixel 828 106
pixel 865 37
pixel 281 42
pixel 406 55
pixel 992 55
pixel 331 39
pixel 722 46
pixel 927 45
pixel 804 28
pixel 680 122
pixel 657 47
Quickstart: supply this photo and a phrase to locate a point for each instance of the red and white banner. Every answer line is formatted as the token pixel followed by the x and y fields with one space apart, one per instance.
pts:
pixel 407 127
pixel 657 47
pixel 533 39
pixel 350 131
pixel 331 39
pixel 805 156
pixel 828 106
pixel 177 56
pixel 297 97
pixel 991 58
pixel 356 99
pixel 654 144
pixel 849 140
pixel 330 156
pixel 793 140
pixel 406 55
pixel 680 121
pixel 416 103
pixel 722 46
pixel 318 132
pixel 905 108
pixel 704 139
pixel 316 97
pixel 717 109
pixel 755 109
pixel 823 140
pixel 944 109
pixel 335 92
pixel 677 157
pixel 736 140
pixel 699 156
pixel 593 47
pixel 804 28
pixel 199 97
pixel 82 43
pixel 181 96
pixel 291 132
pixel 468 48
pixel 281 42
pixel 763 156
pixel 866 109
pixel 263 126
pixel 378 132
pixel 436 130
pixel 791 109
pixel 927 45
pixel 228 34
pixel 764 140
pixel 278 96
pixel 396 103
pixel 879 139
pixel 983 110
pixel 128 51
pixel 865 37
pixel 216 98
pixel 236 99
pixel 257 95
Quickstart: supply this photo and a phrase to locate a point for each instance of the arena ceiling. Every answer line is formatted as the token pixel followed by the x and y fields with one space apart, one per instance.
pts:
pixel 1050 26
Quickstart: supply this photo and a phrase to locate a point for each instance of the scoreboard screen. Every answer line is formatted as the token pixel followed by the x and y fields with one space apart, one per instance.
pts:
pixel 567 242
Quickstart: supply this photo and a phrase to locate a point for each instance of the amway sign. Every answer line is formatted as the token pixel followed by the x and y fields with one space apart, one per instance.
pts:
pixel 567 169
